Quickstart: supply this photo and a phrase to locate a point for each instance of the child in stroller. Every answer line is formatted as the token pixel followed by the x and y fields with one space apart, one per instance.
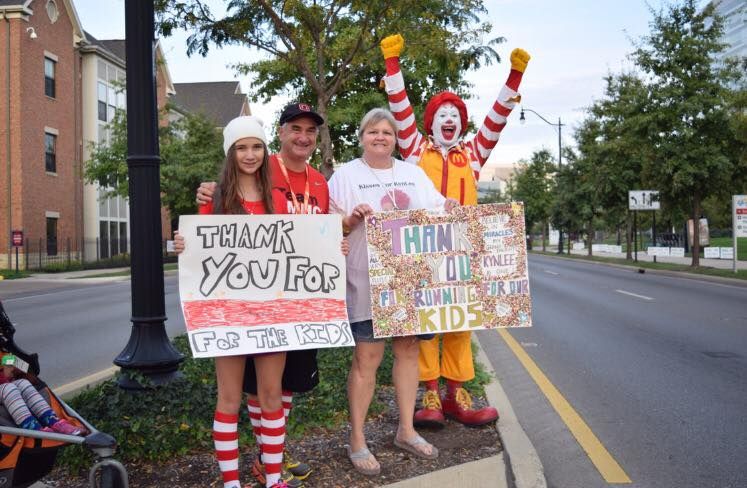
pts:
pixel 26 405
pixel 29 454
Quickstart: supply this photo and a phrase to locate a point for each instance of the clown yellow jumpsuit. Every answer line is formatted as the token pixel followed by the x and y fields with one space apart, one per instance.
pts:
pixel 454 175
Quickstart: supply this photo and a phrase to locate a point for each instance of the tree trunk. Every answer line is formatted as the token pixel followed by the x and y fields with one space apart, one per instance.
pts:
pixel 544 236
pixel 619 235
pixel 325 141
pixel 590 234
pixel 629 238
pixel 695 245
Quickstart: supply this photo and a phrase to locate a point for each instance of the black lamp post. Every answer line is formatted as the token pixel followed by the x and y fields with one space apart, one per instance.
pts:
pixel 148 351
pixel 559 125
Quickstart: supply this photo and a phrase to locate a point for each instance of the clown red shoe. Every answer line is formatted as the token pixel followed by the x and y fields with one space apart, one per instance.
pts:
pixel 431 415
pixel 457 405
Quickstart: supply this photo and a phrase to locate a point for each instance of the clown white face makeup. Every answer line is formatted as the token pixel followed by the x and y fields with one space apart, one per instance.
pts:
pixel 447 125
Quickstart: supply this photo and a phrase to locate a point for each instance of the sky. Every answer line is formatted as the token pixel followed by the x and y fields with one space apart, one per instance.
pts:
pixel 574 44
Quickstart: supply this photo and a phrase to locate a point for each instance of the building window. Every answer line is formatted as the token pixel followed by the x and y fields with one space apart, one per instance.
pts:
pixel 51 236
pixel 52 11
pixel 102 102
pixel 50 152
pixel 49 69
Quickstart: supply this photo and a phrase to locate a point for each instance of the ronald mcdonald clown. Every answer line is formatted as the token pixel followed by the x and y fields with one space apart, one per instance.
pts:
pixel 453 165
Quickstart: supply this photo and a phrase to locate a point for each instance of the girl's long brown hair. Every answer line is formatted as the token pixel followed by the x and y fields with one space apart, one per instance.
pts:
pixel 228 197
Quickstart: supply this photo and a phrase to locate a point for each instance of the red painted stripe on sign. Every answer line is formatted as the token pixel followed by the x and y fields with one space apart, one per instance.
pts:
pixel 199 314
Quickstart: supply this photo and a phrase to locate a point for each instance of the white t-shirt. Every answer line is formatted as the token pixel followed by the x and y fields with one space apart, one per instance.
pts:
pixel 355 183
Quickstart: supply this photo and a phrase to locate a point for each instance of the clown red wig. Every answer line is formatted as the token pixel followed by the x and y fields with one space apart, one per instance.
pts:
pixel 438 100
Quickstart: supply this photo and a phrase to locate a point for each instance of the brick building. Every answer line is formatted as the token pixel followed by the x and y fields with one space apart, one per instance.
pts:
pixel 61 86
pixel 40 128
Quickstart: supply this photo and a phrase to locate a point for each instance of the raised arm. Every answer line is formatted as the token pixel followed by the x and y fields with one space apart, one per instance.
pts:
pixel 490 131
pixel 408 136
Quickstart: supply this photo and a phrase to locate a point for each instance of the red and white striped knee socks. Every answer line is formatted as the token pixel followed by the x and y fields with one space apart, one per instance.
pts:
pixel 273 442
pixel 226 440
pixel 255 414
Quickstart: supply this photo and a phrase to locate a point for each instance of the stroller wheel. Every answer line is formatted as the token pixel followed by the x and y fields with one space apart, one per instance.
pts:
pixel 108 473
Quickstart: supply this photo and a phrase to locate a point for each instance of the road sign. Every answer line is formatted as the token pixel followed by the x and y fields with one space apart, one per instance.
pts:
pixel 740 215
pixel 643 200
pixel 17 238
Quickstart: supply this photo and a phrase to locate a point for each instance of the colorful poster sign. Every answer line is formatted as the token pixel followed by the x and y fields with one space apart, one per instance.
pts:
pixel 262 283
pixel 433 273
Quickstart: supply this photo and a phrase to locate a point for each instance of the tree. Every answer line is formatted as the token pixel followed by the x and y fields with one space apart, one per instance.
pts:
pixel 688 114
pixel 619 155
pixel 586 162
pixel 191 151
pixel 533 184
pixel 330 49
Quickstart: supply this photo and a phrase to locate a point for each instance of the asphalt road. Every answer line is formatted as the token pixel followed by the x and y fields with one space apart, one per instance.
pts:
pixel 77 328
pixel 655 365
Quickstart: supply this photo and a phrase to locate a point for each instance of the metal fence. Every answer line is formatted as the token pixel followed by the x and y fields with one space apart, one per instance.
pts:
pixel 42 254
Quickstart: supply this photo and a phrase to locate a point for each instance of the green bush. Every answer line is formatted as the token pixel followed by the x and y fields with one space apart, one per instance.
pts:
pixel 160 423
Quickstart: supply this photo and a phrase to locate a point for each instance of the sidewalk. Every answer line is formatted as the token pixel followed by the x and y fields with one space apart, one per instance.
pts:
pixel 642 256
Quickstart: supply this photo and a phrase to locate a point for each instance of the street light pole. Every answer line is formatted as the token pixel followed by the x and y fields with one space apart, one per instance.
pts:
pixel 559 125
pixel 148 351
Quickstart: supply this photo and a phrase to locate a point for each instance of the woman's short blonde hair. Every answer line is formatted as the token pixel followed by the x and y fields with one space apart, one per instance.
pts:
pixel 374 116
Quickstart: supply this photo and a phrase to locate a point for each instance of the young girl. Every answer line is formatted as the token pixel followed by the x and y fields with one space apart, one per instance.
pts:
pixel 26 405
pixel 244 188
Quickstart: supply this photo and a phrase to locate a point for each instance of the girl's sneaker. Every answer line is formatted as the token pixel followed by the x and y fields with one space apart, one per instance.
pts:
pixel 62 426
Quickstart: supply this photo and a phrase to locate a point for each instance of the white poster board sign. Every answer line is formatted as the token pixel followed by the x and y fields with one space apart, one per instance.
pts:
pixel 677 252
pixel 711 252
pixel 657 251
pixel 726 252
pixel 262 283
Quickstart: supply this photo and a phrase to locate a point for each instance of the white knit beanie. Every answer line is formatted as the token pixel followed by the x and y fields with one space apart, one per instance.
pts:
pixel 241 127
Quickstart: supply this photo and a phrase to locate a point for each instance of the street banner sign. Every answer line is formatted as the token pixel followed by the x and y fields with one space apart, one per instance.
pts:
pixel 740 215
pixel 704 237
pixel 17 238
pixel 455 272
pixel 643 200
pixel 262 283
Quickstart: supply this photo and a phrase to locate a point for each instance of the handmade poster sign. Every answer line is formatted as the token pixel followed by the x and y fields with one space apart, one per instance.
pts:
pixel 262 283
pixel 448 272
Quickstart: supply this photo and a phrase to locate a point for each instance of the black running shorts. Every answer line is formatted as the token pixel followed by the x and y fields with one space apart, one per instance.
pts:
pixel 301 373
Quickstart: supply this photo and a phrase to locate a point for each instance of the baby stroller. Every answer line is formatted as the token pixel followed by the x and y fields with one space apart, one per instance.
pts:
pixel 26 456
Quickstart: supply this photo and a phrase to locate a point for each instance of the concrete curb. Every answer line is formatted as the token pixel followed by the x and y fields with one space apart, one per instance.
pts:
pixel 523 465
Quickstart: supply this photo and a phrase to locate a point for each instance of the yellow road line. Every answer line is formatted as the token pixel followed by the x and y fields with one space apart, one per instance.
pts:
pixel 610 470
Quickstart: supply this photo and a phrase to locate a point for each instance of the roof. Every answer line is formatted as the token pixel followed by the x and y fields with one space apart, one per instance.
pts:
pixel 15 3
pixel 219 101
pixel 116 46
pixel 112 49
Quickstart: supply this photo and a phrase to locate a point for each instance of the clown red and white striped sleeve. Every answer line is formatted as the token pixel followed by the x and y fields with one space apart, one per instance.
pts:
pixel 490 131
pixel 409 139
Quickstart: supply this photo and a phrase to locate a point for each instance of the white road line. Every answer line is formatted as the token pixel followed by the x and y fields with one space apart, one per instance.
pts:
pixel 551 272
pixel 643 297
pixel 58 292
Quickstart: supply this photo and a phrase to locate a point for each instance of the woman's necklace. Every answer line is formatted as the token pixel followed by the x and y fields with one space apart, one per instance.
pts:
pixel 391 195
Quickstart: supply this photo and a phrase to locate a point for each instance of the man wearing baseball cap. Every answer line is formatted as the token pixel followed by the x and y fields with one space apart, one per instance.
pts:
pixel 304 189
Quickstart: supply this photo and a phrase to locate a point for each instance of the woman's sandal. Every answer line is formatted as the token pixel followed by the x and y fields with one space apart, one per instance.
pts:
pixel 413 447
pixel 363 454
